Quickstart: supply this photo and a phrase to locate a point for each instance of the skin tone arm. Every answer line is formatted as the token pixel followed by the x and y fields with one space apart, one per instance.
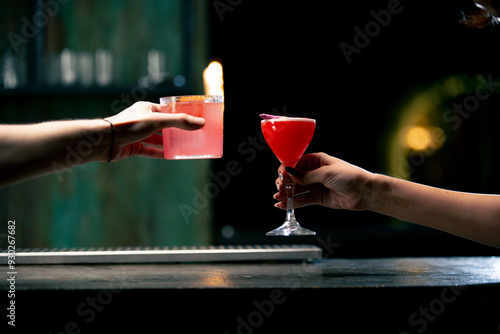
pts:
pixel 331 182
pixel 28 151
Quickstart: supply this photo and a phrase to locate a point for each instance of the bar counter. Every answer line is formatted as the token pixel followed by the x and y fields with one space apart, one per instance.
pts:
pixel 392 295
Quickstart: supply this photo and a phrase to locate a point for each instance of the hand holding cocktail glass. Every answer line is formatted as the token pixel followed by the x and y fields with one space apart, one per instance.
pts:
pixel 288 138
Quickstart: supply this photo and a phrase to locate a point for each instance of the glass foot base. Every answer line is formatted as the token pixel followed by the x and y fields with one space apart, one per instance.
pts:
pixel 288 229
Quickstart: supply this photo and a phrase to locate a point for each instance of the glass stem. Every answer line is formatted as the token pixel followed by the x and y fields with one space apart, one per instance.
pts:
pixel 290 189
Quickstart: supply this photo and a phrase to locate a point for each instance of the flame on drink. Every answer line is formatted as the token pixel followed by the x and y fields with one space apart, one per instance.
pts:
pixel 212 79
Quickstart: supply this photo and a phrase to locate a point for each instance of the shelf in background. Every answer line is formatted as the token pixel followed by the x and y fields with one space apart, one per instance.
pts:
pixel 135 92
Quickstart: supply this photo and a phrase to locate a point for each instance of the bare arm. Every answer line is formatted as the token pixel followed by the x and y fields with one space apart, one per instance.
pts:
pixel 472 216
pixel 331 182
pixel 28 151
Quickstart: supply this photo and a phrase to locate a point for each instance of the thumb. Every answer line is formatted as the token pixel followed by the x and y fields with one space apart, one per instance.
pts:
pixel 177 120
pixel 181 121
pixel 305 177
pixel 297 176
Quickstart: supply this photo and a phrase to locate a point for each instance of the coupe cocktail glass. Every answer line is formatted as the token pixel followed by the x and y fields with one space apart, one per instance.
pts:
pixel 288 138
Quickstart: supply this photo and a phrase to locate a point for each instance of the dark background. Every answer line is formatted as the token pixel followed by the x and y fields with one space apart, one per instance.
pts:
pixel 285 55
pixel 282 55
pixel 279 57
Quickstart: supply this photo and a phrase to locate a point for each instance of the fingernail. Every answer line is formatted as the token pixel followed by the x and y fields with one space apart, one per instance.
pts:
pixel 199 121
pixel 293 171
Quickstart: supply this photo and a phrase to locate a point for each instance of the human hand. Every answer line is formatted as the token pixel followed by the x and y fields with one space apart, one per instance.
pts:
pixel 324 180
pixel 136 130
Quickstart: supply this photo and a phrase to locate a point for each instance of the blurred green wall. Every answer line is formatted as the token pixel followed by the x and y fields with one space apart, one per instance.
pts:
pixel 137 202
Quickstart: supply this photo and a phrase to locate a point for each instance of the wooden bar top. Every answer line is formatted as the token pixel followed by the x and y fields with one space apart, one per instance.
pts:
pixel 323 273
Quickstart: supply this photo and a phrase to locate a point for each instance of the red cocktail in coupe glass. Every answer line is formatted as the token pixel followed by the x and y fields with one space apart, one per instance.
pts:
pixel 288 138
pixel 205 143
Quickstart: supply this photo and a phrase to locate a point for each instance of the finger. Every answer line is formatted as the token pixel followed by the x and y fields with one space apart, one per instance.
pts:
pixel 309 168
pixel 281 170
pixel 157 121
pixel 155 107
pixel 280 185
pixel 296 175
pixel 280 205
pixel 313 160
pixel 152 152
pixel 299 189
pixel 155 139
pixel 304 200
pixel 298 202
pixel 181 121
pixel 308 177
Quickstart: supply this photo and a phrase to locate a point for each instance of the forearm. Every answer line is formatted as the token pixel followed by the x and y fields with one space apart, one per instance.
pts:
pixel 27 151
pixel 472 216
